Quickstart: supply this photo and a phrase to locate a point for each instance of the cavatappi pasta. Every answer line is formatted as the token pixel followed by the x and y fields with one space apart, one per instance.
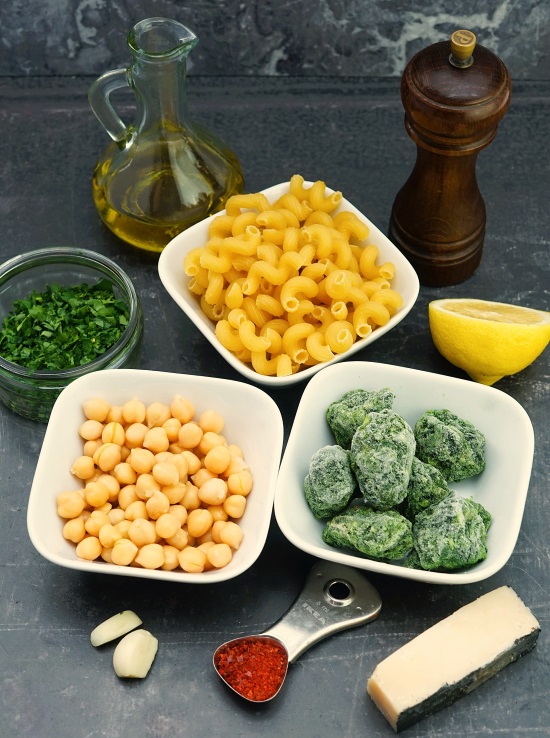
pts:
pixel 290 283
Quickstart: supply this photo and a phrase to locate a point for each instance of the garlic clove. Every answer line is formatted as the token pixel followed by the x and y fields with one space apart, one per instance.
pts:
pixel 134 654
pixel 116 626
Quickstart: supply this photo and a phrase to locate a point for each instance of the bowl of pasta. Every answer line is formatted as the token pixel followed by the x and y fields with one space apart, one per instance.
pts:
pixel 286 281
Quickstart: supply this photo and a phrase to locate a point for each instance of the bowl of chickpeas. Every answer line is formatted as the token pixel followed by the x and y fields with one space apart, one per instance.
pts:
pixel 156 475
pixel 289 280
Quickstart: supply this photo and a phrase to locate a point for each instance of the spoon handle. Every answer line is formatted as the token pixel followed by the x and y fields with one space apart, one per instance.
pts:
pixel 334 598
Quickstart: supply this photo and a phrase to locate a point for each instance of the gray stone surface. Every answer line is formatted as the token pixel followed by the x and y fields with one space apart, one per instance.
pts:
pixel 364 38
pixel 53 684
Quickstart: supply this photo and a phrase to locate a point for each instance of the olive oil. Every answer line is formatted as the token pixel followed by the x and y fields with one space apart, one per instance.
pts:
pixel 163 173
pixel 162 189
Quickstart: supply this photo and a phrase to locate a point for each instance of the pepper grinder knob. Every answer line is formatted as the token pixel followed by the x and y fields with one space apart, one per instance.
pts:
pixel 463 44
pixel 455 93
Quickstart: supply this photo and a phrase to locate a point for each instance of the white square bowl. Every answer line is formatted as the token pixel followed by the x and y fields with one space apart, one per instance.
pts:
pixel 501 488
pixel 174 279
pixel 252 420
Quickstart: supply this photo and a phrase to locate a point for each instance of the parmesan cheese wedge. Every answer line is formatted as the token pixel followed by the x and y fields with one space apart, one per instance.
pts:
pixel 453 657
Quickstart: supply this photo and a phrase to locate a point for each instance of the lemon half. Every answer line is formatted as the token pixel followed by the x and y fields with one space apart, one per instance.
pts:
pixel 489 340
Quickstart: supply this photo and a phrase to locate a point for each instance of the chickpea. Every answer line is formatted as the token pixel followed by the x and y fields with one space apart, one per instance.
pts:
pixel 124 473
pixel 70 504
pixel 124 552
pixel 91 430
pixel 182 409
pixel 182 466
pixel 172 427
pixel 150 556
pixel 218 512
pixel 167 525
pixel 234 506
pixel 108 534
pixel 179 512
pixel 123 527
pixel 174 492
pixel 179 540
pixel 208 566
pixel 133 411
pixel 113 433
pixel 106 507
pixel 89 548
pixel 107 555
pixel 107 480
pixel 124 453
pixel 192 560
pixel 236 465
pixel 96 409
pixel 202 476
pixel 166 473
pixel 205 538
pixel 231 534
pixel 213 491
pixel 235 450
pixel 157 414
pixel 83 467
pixel 219 555
pixel 107 456
pixel 240 483
pixel 190 499
pixel 156 440
pixel 199 521
pixel 193 461
pixel 171 561
pixel 217 459
pixel 189 435
pixel 116 515
pixel 210 420
pixel 127 495
pixel 146 486
pixel 135 433
pixel 95 522
pixel 115 415
pixel 96 494
pixel 158 504
pixel 142 532
pixel 216 529
pixel 74 530
pixel 136 511
pixel 141 460
pixel 90 447
pixel 208 441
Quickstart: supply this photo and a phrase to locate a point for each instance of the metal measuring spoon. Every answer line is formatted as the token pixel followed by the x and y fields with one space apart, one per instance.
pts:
pixel 334 598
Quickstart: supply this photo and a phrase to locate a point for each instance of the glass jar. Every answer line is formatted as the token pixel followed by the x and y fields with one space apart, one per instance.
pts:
pixel 33 393
pixel 162 173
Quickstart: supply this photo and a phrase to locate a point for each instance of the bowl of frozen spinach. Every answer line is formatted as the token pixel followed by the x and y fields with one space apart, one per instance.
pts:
pixel 406 473
pixel 64 312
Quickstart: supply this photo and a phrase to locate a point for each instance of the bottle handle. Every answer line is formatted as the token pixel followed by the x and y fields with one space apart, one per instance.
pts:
pixel 99 98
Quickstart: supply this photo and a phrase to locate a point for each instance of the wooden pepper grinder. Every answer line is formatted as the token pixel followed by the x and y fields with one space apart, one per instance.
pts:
pixel 455 94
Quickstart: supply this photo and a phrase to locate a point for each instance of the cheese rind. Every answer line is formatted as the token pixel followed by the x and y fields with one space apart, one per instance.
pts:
pixel 453 657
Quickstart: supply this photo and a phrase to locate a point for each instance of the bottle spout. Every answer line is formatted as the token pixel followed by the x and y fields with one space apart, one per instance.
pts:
pixel 160 38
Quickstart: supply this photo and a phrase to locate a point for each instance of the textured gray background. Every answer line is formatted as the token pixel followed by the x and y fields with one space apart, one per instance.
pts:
pixel 364 38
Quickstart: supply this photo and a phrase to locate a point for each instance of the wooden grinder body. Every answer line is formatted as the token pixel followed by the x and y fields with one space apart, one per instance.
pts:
pixel 438 217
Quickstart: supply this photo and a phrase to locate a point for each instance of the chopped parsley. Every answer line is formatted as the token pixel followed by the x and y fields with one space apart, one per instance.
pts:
pixel 63 327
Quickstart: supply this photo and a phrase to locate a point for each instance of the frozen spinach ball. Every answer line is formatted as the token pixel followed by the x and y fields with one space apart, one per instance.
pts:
pixel 345 415
pixel 382 451
pixel 452 533
pixel 329 484
pixel 426 486
pixel 379 535
pixel 451 444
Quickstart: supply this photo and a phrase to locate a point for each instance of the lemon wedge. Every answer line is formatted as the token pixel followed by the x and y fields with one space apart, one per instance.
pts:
pixel 489 340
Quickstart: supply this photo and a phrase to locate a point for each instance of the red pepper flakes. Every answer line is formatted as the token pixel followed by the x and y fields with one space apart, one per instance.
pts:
pixel 254 667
